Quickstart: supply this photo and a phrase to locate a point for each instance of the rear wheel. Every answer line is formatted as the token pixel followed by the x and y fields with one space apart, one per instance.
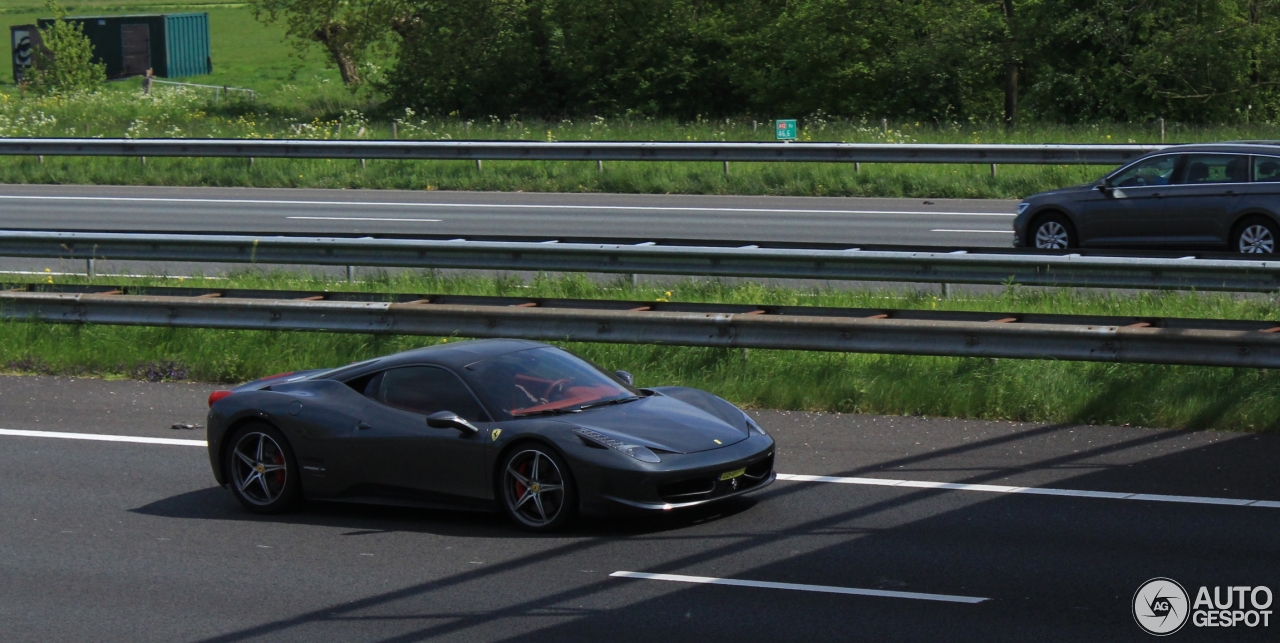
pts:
pixel 262 469
pixel 1256 236
pixel 537 490
pixel 1052 232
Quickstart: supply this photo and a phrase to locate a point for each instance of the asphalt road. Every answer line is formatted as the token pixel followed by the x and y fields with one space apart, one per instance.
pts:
pixel 248 210
pixel 118 541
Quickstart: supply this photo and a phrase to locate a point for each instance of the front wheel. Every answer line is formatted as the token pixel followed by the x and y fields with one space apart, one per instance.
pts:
pixel 1053 232
pixel 1256 236
pixel 537 490
pixel 262 469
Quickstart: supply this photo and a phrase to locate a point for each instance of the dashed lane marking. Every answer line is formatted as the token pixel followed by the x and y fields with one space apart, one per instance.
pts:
pixel 500 206
pixel 790 477
pixel 1038 491
pixel 103 438
pixel 826 589
pixel 977 231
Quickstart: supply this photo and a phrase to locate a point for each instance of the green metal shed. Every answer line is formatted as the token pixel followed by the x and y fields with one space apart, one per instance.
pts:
pixel 172 45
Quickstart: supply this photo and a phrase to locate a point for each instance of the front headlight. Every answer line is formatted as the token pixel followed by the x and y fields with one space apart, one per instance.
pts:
pixel 751 424
pixel 636 451
pixel 1022 207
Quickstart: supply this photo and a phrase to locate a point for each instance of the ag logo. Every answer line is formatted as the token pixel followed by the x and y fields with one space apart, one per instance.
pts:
pixel 1161 607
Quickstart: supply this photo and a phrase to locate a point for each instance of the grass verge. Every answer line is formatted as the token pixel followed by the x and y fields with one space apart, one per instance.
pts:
pixel 1029 390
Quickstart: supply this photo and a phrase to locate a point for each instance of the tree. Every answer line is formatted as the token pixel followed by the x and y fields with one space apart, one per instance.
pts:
pixel 345 28
pixel 64 63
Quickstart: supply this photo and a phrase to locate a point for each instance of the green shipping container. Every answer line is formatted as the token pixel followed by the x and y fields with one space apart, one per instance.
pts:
pixel 172 45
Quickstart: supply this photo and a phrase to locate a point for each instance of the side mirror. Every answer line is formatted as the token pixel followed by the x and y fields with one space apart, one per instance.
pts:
pixel 626 377
pixel 450 420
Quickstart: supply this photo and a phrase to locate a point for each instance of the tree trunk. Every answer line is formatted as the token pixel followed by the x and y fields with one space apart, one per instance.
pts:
pixel 1010 70
pixel 331 37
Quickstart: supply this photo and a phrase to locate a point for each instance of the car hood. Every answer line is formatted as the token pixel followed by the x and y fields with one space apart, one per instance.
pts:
pixel 663 423
pixel 1074 190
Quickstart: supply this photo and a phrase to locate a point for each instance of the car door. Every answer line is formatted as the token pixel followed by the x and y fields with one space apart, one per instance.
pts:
pixel 400 452
pixel 1197 207
pixel 1124 210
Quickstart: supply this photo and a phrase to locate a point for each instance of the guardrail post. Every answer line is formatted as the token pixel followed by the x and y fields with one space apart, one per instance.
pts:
pixel 600 166
pixel 1162 130
pixel 946 290
pixel 351 274
pixel 362 164
pixel 726 168
pixel 857 168
pixel 479 165
pixel 884 126
pixel 90 270
pixel 993 170
pixel 393 130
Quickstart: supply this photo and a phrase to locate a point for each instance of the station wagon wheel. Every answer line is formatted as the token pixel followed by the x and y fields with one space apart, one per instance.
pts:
pixel 1053 232
pixel 1257 236
pixel 537 489
pixel 262 469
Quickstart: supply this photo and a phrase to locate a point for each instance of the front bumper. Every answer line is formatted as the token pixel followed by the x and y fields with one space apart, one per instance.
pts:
pixel 680 480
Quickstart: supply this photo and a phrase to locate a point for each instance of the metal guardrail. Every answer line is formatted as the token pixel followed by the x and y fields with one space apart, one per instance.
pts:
pixel 1254 344
pixel 794 263
pixel 582 150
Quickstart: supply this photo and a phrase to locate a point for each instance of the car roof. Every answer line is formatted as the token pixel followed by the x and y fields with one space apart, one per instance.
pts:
pixel 458 354
pixel 1237 147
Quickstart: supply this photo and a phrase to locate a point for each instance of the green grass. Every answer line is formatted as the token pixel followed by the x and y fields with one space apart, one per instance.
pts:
pixel 1032 390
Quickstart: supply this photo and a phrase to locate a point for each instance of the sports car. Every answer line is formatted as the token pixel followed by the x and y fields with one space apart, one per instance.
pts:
pixel 499 425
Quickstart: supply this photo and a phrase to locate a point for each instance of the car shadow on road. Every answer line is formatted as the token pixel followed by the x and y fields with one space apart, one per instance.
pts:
pixel 216 503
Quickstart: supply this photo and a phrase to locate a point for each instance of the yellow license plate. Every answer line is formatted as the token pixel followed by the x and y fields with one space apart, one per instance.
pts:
pixel 732 474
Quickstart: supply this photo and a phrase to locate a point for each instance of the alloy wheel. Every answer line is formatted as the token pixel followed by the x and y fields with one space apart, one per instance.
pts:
pixel 1052 235
pixel 534 487
pixel 1257 239
pixel 259 468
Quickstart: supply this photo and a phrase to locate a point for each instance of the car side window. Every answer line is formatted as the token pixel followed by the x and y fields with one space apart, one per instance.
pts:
pixel 426 390
pixel 1215 168
pixel 1153 171
pixel 1266 169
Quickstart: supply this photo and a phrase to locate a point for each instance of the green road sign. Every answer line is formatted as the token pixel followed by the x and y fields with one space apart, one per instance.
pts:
pixel 786 129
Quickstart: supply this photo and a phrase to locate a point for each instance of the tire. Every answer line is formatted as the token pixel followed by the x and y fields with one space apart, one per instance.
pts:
pixel 1256 235
pixel 536 488
pixel 262 469
pixel 1052 232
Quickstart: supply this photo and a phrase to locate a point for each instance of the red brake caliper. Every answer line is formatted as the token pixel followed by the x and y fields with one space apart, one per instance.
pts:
pixel 279 459
pixel 523 470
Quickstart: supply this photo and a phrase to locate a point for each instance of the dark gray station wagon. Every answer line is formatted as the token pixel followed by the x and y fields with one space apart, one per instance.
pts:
pixel 1221 196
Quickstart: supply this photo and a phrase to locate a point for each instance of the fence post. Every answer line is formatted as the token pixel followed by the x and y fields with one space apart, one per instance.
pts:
pixel 1162 130
pixel 884 126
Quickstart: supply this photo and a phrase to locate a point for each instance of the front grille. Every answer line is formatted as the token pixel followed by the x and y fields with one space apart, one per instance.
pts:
pixel 687 490
pixel 708 487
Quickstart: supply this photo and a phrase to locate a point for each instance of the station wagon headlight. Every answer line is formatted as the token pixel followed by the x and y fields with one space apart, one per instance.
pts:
pixel 1022 207
pixel 636 451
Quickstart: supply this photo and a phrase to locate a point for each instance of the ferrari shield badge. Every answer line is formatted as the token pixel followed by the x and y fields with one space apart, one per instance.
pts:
pixel 495 434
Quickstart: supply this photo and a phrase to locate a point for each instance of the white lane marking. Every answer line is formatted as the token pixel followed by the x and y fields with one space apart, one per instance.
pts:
pixel 879 482
pixel 103 438
pixel 828 589
pixel 514 206
pixel 1038 491
pixel 978 231
pixel 366 219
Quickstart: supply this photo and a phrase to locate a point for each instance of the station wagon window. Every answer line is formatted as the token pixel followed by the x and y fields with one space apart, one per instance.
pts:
pixel 425 390
pixel 1266 169
pixel 1215 168
pixel 1153 171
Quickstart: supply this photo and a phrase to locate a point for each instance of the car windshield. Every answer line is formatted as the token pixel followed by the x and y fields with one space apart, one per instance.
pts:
pixel 542 380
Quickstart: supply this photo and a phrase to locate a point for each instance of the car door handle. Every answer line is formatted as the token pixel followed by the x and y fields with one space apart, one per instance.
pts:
pixel 1156 195
pixel 1229 193
pixel 363 426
